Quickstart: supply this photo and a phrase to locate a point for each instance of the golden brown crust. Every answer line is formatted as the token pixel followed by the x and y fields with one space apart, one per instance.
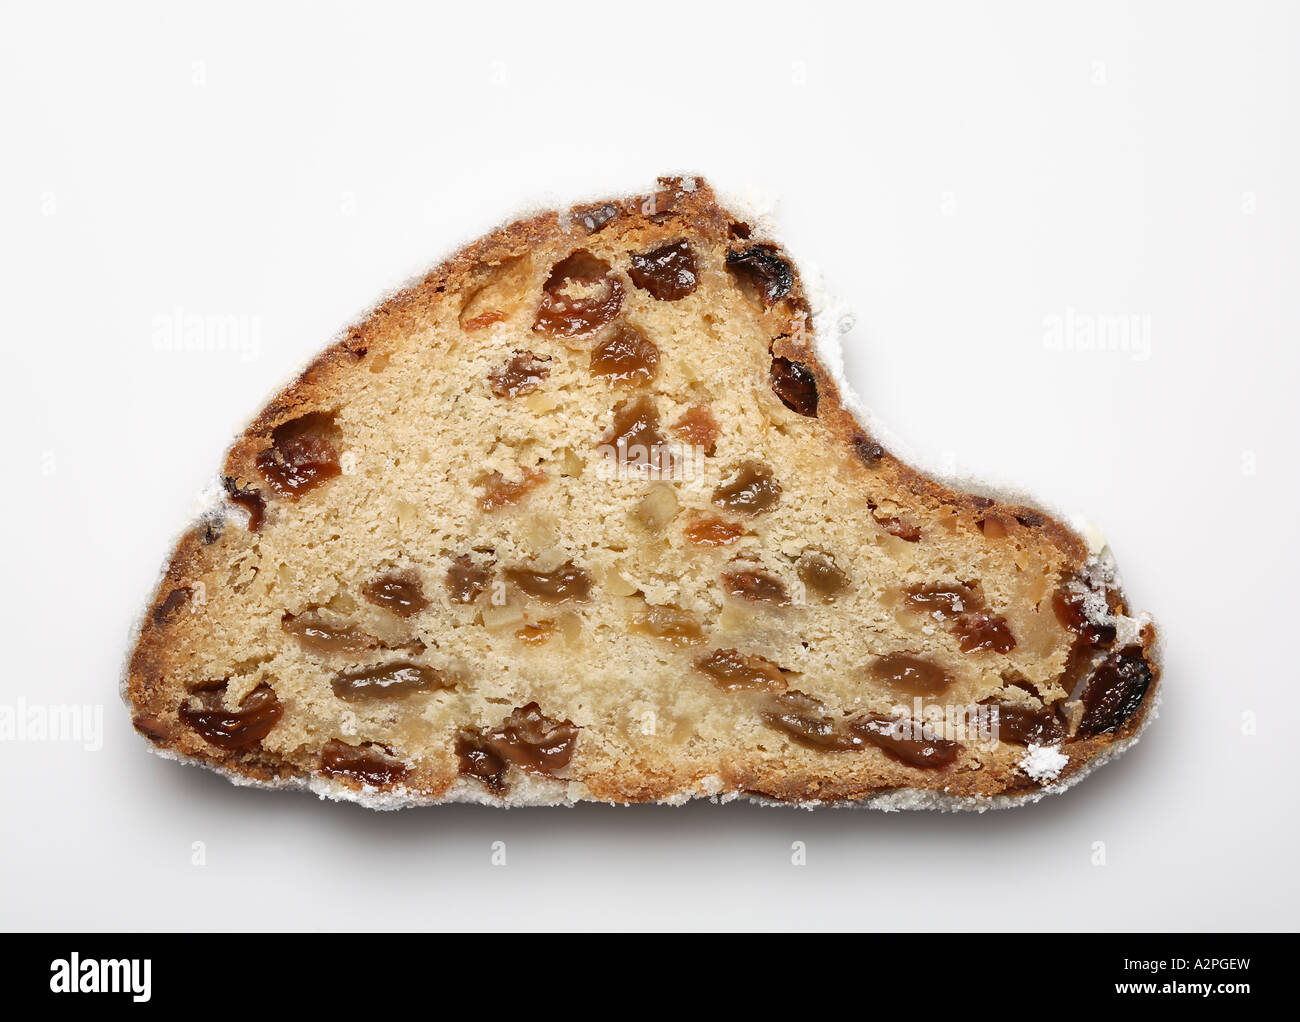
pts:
pixel 798 775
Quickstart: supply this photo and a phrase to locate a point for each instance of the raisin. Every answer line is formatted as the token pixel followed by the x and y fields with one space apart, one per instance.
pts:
pixel 484 319
pixel 1071 612
pixel 320 636
pixel 387 681
pixel 169 607
pixel 906 741
pixel 536 635
pixel 753 490
pixel 593 218
pixel 466 580
pixel 1031 520
pixel 759 265
pixel 667 272
pixel 234 729
pixel 626 357
pixel 732 670
pixel 1114 692
pixel 564 315
pixel 819 572
pixel 499 492
pixel 699 428
pixel 680 627
pixel 478 760
pixel 909 673
pixel 370 764
pixel 250 499
pixel 1020 725
pixel 523 373
pixel 635 438
pixel 398 591
pixel 801 717
pixel 152 727
pixel 567 582
pixel 713 532
pixel 302 455
pixel 979 631
pixel 867 450
pixel 756 586
pixel 795 384
pixel 527 738
pixel 905 531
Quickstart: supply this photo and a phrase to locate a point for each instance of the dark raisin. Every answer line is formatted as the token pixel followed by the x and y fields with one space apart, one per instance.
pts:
pixel 390 680
pixel 867 450
pixel 499 492
pixel 527 739
pixel 699 428
pixel 369 764
pixel 478 760
pixel 755 586
pixel 169 607
pixel 911 674
pixel 820 573
pixel 1031 520
pixel 667 272
pixel 322 636
pixel 753 490
pixel 635 438
pixel 979 631
pixel 397 591
pixel 1020 725
pixel 906 741
pixel 234 729
pixel 593 218
pixel 567 582
pixel 801 717
pixel 1071 612
pixel 626 357
pixel 771 275
pixel 250 499
pixel 796 386
pixel 523 373
pixel 1114 692
pixel 466 580
pixel 731 670
pixel 302 455
pixel 564 315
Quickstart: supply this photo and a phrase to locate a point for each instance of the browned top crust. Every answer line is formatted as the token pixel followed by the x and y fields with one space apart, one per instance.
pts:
pixel 679 206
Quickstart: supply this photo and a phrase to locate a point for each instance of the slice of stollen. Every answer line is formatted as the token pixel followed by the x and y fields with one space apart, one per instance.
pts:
pixel 582 516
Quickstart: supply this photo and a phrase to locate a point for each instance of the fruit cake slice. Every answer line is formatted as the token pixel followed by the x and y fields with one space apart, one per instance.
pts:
pixel 583 516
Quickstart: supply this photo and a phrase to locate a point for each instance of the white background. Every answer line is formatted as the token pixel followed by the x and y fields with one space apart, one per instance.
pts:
pixel 961 174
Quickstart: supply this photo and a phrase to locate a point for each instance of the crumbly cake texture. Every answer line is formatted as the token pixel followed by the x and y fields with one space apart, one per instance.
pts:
pixel 437 577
